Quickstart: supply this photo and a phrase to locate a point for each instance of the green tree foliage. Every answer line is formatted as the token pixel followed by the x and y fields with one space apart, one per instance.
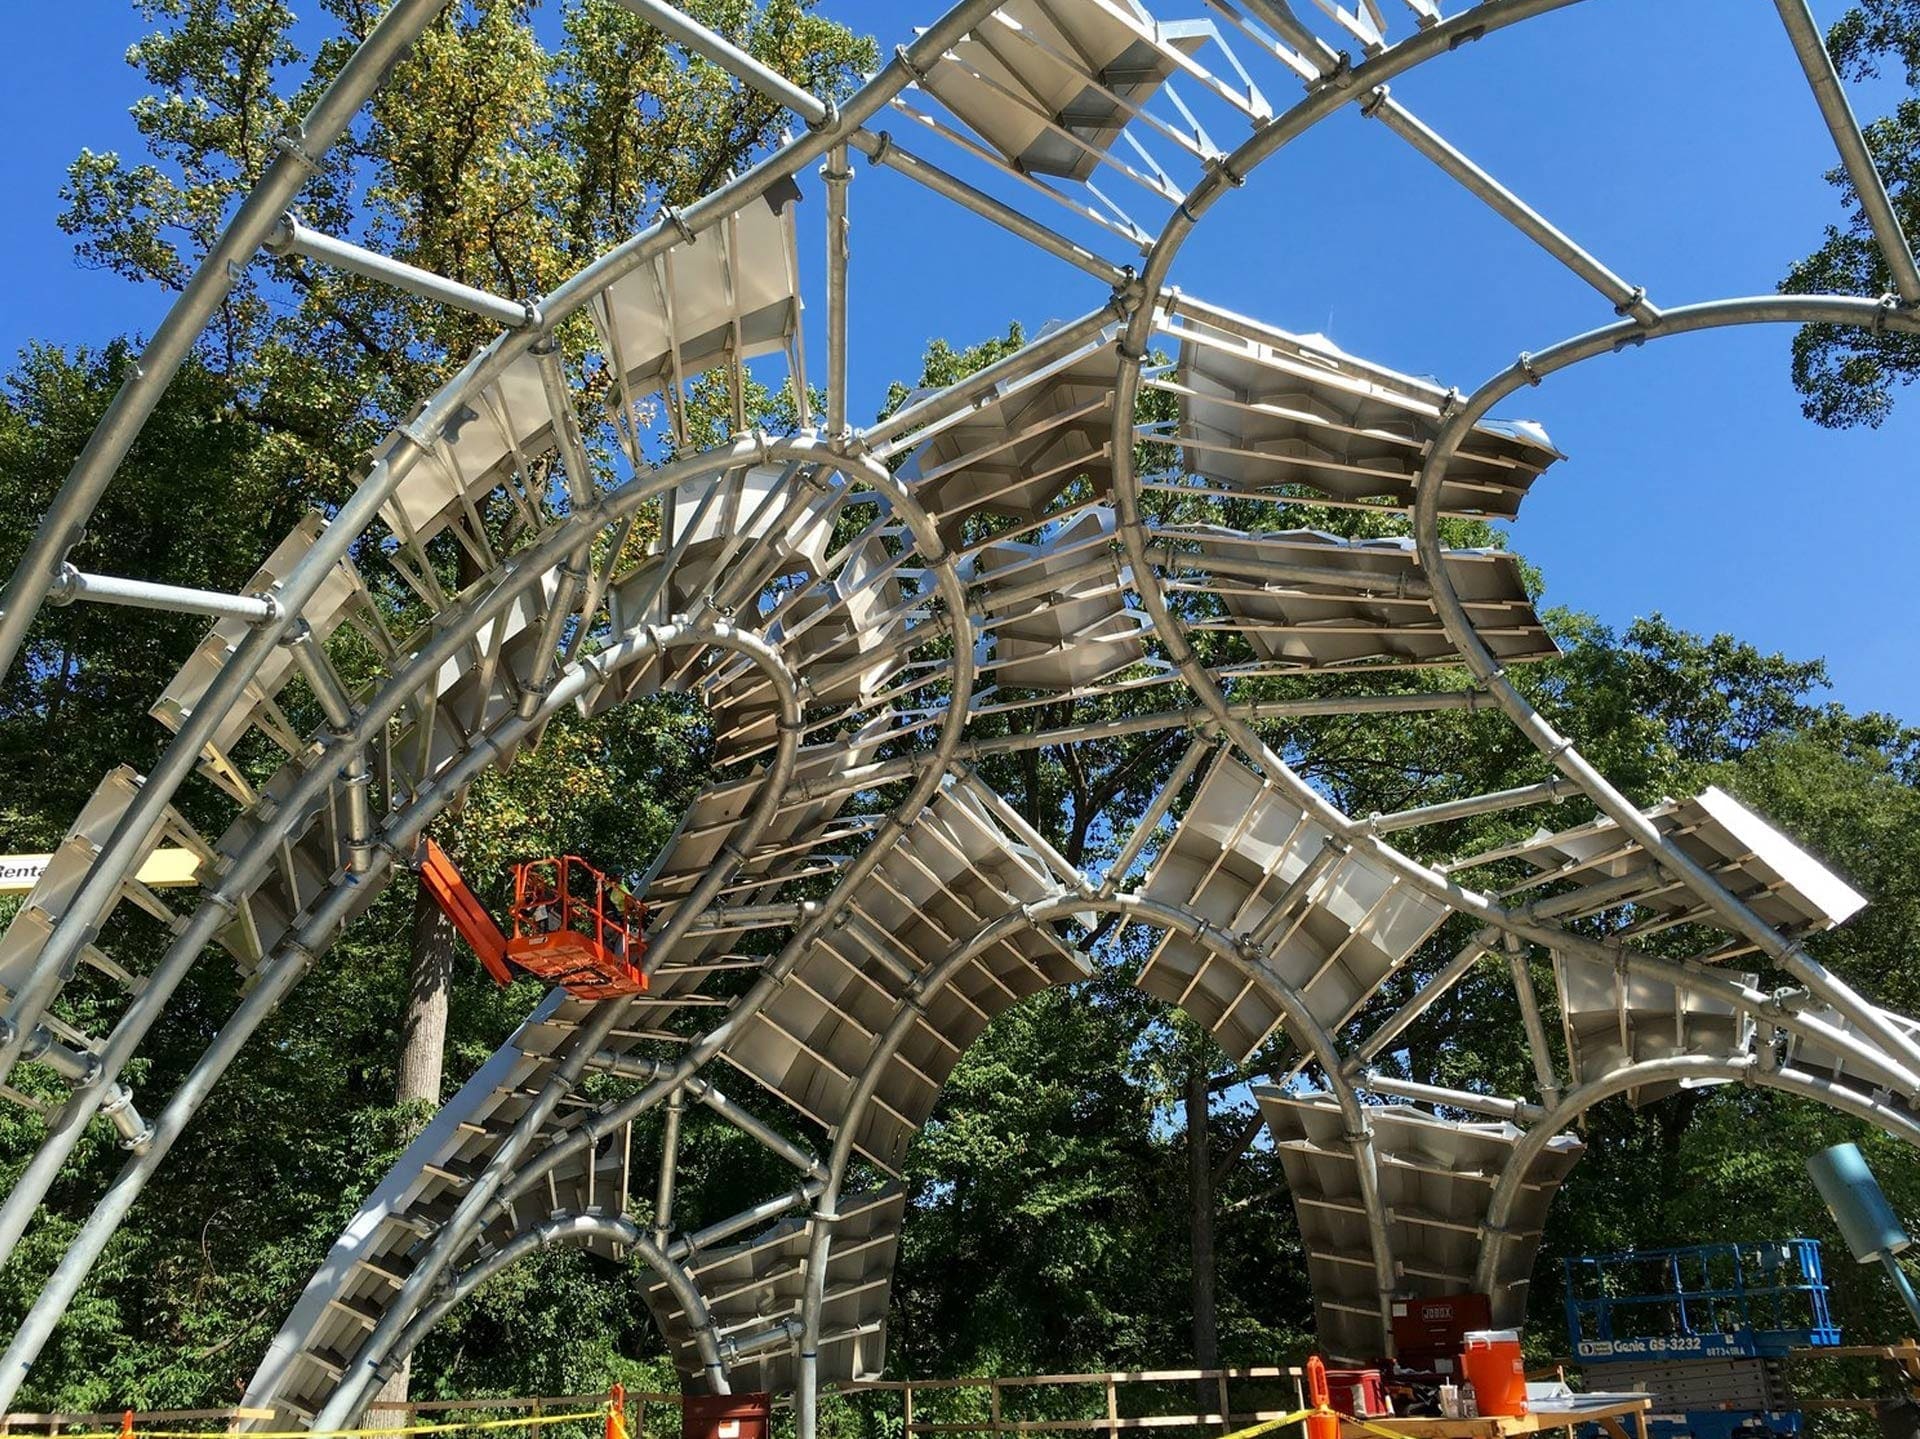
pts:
pixel 195 501
pixel 1848 375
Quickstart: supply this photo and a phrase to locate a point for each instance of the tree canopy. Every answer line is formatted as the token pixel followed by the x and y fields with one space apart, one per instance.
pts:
pixel 1849 376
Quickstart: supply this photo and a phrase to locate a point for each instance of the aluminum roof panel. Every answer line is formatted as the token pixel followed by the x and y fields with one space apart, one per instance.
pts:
pixel 948 877
pixel 743 505
pixel 734 293
pixel 1294 619
pixel 1436 1178
pixel 751 1286
pixel 1822 1059
pixel 339 591
pixel 1063 638
pixel 1256 413
pixel 1017 450
pixel 1047 85
pixel 1238 851
pixel 504 424
pixel 1612 1019
pixel 1782 883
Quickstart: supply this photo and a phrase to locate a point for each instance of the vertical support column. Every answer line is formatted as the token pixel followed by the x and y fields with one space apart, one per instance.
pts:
pixel 669 1163
pixel 1366 1164
pixel 1535 1026
pixel 806 1392
pixel 838 174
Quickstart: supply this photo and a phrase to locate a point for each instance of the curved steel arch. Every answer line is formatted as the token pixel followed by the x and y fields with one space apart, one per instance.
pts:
pixel 1300 1024
pixel 1561 752
pixel 1699 1069
pixel 298 954
pixel 563 1229
pixel 922 623
pixel 1067 905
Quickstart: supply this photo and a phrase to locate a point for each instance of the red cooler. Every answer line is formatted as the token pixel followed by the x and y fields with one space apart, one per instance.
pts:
pixel 725 1416
pixel 1358 1393
pixel 1497 1372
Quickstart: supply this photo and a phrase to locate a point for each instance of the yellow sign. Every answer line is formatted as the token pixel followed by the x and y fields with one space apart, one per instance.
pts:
pixel 164 869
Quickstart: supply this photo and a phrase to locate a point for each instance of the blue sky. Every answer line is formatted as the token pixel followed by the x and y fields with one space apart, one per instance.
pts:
pixel 1676 141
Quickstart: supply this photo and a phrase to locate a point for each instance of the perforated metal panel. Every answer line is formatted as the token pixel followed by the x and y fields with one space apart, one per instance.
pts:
pixel 1236 856
pixel 1261 409
pixel 1366 605
pixel 1436 1179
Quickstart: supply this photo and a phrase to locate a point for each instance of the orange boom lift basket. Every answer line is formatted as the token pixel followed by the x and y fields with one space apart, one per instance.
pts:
pixel 572 926
pixel 575 929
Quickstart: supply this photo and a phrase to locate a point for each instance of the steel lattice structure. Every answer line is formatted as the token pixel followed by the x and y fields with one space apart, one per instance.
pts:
pixel 838 602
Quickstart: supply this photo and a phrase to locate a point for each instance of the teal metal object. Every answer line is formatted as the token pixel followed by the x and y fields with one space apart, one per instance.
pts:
pixel 1867 1222
pixel 1854 1199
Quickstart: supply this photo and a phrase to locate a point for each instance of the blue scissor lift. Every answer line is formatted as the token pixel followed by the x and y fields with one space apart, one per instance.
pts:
pixel 1703 1329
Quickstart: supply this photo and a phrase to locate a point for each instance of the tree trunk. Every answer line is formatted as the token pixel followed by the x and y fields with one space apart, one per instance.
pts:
pixel 1206 1328
pixel 394 1391
pixel 423 1029
pixel 423 1053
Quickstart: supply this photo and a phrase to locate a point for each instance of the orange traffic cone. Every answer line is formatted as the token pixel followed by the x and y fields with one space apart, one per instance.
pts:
pixel 617 1412
pixel 1322 1423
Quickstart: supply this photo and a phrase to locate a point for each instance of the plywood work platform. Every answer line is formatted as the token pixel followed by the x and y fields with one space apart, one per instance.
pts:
pixel 1610 1417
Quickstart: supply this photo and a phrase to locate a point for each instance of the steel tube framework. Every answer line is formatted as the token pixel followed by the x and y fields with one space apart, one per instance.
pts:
pixel 867 611
pixel 300 154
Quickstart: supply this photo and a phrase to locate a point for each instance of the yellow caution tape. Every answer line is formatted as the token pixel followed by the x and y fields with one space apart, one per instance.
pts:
pixel 1270 1425
pixel 535 1421
pixel 531 1421
pixel 1285 1419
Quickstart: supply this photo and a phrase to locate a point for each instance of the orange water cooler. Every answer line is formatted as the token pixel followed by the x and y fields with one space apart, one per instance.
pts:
pixel 1494 1367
